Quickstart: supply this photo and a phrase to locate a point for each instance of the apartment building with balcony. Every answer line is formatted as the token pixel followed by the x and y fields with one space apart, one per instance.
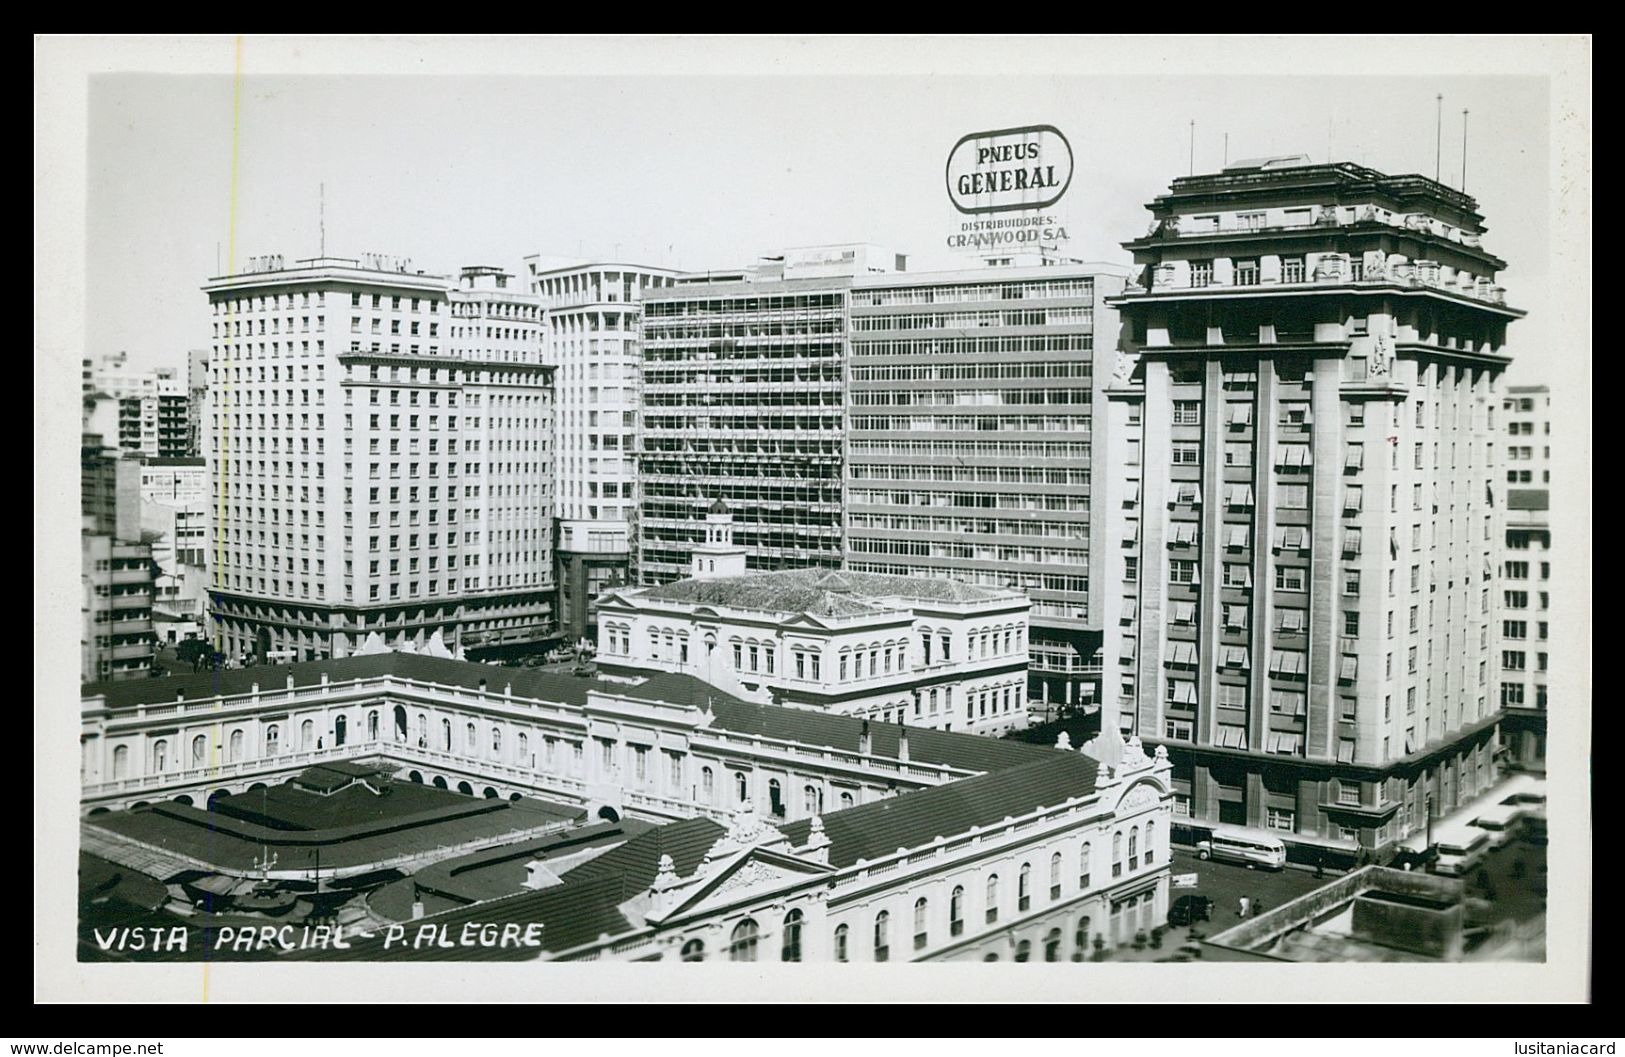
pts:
pixel 1301 490
pixel 116 577
pixel 380 448
pixel 154 407
pixel 1524 566
pixel 593 311
pixel 743 394
pixel 973 404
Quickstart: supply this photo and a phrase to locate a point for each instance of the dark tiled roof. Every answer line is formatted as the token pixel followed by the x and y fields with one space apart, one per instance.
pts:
pixel 968 751
pixel 870 831
pixel 560 687
pixel 579 911
pixel 822 591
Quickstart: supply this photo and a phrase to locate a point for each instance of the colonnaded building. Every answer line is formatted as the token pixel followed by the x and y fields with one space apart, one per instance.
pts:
pixel 1301 480
pixel 629 818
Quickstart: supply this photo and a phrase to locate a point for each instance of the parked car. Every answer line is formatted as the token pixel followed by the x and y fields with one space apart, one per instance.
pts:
pixel 1188 910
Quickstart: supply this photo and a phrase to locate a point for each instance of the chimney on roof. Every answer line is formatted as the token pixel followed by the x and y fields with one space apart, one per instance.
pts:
pixel 865 742
pixel 902 740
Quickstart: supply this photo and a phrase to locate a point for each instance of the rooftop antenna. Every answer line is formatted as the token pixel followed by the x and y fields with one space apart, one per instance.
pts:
pixel 1438 134
pixel 1464 149
pixel 1193 147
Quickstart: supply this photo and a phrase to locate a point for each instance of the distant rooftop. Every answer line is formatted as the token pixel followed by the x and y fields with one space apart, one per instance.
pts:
pixel 822 592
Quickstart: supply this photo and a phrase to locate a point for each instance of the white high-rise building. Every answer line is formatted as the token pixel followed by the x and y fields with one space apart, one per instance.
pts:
pixel 593 312
pixel 380 453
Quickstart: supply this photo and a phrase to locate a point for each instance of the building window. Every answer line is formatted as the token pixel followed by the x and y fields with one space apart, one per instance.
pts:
pixel 1292 269
pixel 882 928
pixel 992 898
pixel 956 911
pixel 742 786
pixel 742 947
pixel 1281 818
pixel 840 943
pixel 1117 854
pixel 1201 273
pixel 921 930
pixel 1187 413
pixel 694 951
pixel 1150 842
pixel 792 937
pixel 1247 271
pixel 1024 887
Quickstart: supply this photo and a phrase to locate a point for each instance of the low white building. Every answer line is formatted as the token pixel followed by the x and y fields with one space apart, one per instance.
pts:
pixel 919 650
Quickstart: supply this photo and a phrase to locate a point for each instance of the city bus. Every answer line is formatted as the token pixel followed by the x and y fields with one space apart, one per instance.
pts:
pixel 1501 821
pixel 1461 847
pixel 1242 846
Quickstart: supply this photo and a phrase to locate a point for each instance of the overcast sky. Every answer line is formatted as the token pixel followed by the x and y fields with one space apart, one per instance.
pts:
pixel 713 171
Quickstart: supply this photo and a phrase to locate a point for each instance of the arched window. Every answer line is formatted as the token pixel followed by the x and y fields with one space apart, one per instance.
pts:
pixel 1024 950
pixel 236 746
pixel 1117 854
pixel 473 737
pixel 372 726
pixel 271 736
pixel 341 726
pixel 1055 876
pixel 1080 941
pixel 1134 848
pixel 160 754
pixel 840 943
pixel 775 796
pixel 121 762
pixel 792 937
pixel 694 951
pixel 1024 887
pixel 496 740
pixel 956 911
pixel 707 783
pixel 742 948
pixel 445 734
pixel 1052 946
pixel 990 958
pixel 1083 866
pixel 524 748
pixel 992 898
pixel 921 930
pixel 742 785
pixel 846 800
pixel 1150 842
pixel 882 939
pixel 200 749
pixel 810 800
pixel 307 735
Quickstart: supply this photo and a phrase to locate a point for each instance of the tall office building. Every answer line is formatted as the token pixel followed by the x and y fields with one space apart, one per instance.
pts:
pixel 197 393
pixel 1300 481
pixel 1525 567
pixel 593 313
pixel 380 445
pixel 116 571
pixel 972 402
pixel 743 382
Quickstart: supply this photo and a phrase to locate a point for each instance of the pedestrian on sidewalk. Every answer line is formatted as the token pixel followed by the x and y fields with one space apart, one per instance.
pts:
pixel 1242 912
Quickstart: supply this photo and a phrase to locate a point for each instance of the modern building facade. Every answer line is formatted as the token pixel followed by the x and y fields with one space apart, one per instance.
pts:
pixel 154 406
pixel 593 313
pixel 197 390
pixel 743 382
pixel 1301 487
pixel 972 417
pixel 925 651
pixel 883 843
pixel 1524 565
pixel 116 577
pixel 380 445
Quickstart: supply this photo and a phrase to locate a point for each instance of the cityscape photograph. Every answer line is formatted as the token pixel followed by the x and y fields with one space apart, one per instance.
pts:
pixel 662 513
